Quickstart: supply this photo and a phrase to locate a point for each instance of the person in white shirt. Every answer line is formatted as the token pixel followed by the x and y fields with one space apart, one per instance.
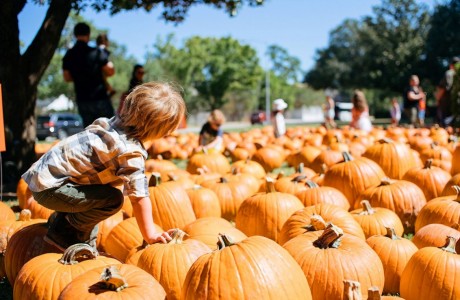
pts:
pixel 279 124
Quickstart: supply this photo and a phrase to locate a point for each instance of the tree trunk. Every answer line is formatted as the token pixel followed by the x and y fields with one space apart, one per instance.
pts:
pixel 19 76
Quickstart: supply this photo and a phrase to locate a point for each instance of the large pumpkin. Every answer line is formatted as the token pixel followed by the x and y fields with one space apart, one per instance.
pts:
pixel 403 197
pixel 255 268
pixel 432 274
pixel 269 158
pixel 442 210
pixel 394 252
pixel 214 161
pixel 314 194
pixel 208 229
pixel 305 220
pixel 265 213
pixel 114 282
pixel 350 257
pixel 430 179
pixel 171 206
pixel 6 213
pixel 433 235
pixel 353 176
pixel 204 201
pixel 375 220
pixel 59 270
pixel 394 158
pixel 169 263
pixel 25 244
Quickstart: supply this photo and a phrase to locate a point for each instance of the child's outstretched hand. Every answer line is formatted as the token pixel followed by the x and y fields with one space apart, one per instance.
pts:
pixel 163 237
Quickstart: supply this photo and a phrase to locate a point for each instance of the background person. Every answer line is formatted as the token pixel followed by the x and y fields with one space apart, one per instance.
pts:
pixel 279 123
pixel 329 112
pixel 412 96
pixel 86 67
pixel 85 193
pixel 443 95
pixel 360 118
pixel 137 78
pixel 395 112
pixel 211 133
pixel 102 42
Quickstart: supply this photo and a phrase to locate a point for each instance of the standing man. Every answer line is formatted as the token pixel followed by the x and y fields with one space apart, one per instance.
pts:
pixel 443 95
pixel 87 67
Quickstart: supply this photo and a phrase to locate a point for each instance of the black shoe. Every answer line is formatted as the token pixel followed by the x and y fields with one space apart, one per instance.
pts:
pixel 61 234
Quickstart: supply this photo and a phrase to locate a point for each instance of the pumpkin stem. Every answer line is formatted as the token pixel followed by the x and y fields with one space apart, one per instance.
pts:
pixel 330 238
pixel 347 156
pixel 177 236
pixel 323 169
pixel 112 279
pixel 385 141
pixel 223 180
pixel 450 245
pixel 78 252
pixel 155 179
pixel 173 177
pixel 270 185
pixel 311 184
pixel 391 233
pixel 224 241
pixel 25 215
pixel 298 178
pixel 234 171
pixel 351 290
pixel 300 168
pixel 428 163
pixel 373 293
pixel 367 208
pixel 385 181
pixel 280 175
pixel 457 190
pixel 316 223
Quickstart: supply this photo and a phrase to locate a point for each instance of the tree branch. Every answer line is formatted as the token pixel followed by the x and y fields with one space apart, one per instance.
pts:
pixel 39 53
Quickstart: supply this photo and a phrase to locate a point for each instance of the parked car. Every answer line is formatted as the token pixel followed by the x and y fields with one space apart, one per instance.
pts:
pixel 58 125
pixel 343 111
pixel 257 117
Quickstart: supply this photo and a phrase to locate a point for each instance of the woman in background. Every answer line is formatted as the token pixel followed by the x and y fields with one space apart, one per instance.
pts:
pixel 360 112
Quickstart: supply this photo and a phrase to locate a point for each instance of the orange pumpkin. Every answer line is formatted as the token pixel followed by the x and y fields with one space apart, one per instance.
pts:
pixel 250 167
pixel 375 220
pixel 269 158
pixel 302 220
pixel 249 268
pixel 394 252
pixel 353 176
pixel 207 230
pixel 6 213
pixel 60 269
pixel 442 210
pixel 437 266
pixel 433 235
pixel 265 213
pixel 204 201
pixel 314 194
pixel 351 257
pixel 214 161
pixel 114 282
pixel 169 263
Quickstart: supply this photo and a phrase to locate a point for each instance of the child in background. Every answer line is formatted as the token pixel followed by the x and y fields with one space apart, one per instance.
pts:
pixel 211 134
pixel 102 42
pixel 360 112
pixel 329 112
pixel 421 111
pixel 279 124
pixel 395 112
pixel 78 177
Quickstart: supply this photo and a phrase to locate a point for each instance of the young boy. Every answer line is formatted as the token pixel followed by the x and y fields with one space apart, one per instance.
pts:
pixel 211 132
pixel 77 177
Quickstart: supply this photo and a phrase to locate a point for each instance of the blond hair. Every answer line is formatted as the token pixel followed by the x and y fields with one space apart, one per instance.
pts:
pixel 359 101
pixel 151 111
pixel 216 117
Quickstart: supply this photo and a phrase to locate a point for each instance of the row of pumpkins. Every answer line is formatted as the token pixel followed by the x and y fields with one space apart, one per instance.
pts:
pixel 330 230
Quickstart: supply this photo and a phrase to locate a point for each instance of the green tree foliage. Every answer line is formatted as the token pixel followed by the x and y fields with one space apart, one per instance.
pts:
pixel 380 51
pixel 208 69
pixel 443 39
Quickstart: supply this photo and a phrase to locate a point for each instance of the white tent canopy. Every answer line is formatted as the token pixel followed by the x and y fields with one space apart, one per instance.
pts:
pixel 60 103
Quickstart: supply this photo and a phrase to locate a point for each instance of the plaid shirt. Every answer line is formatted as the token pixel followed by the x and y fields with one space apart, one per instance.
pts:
pixel 101 154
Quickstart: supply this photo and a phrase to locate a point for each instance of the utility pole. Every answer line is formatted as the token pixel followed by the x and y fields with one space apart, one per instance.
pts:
pixel 267 97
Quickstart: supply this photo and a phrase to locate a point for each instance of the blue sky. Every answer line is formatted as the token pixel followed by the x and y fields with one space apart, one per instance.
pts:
pixel 300 26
